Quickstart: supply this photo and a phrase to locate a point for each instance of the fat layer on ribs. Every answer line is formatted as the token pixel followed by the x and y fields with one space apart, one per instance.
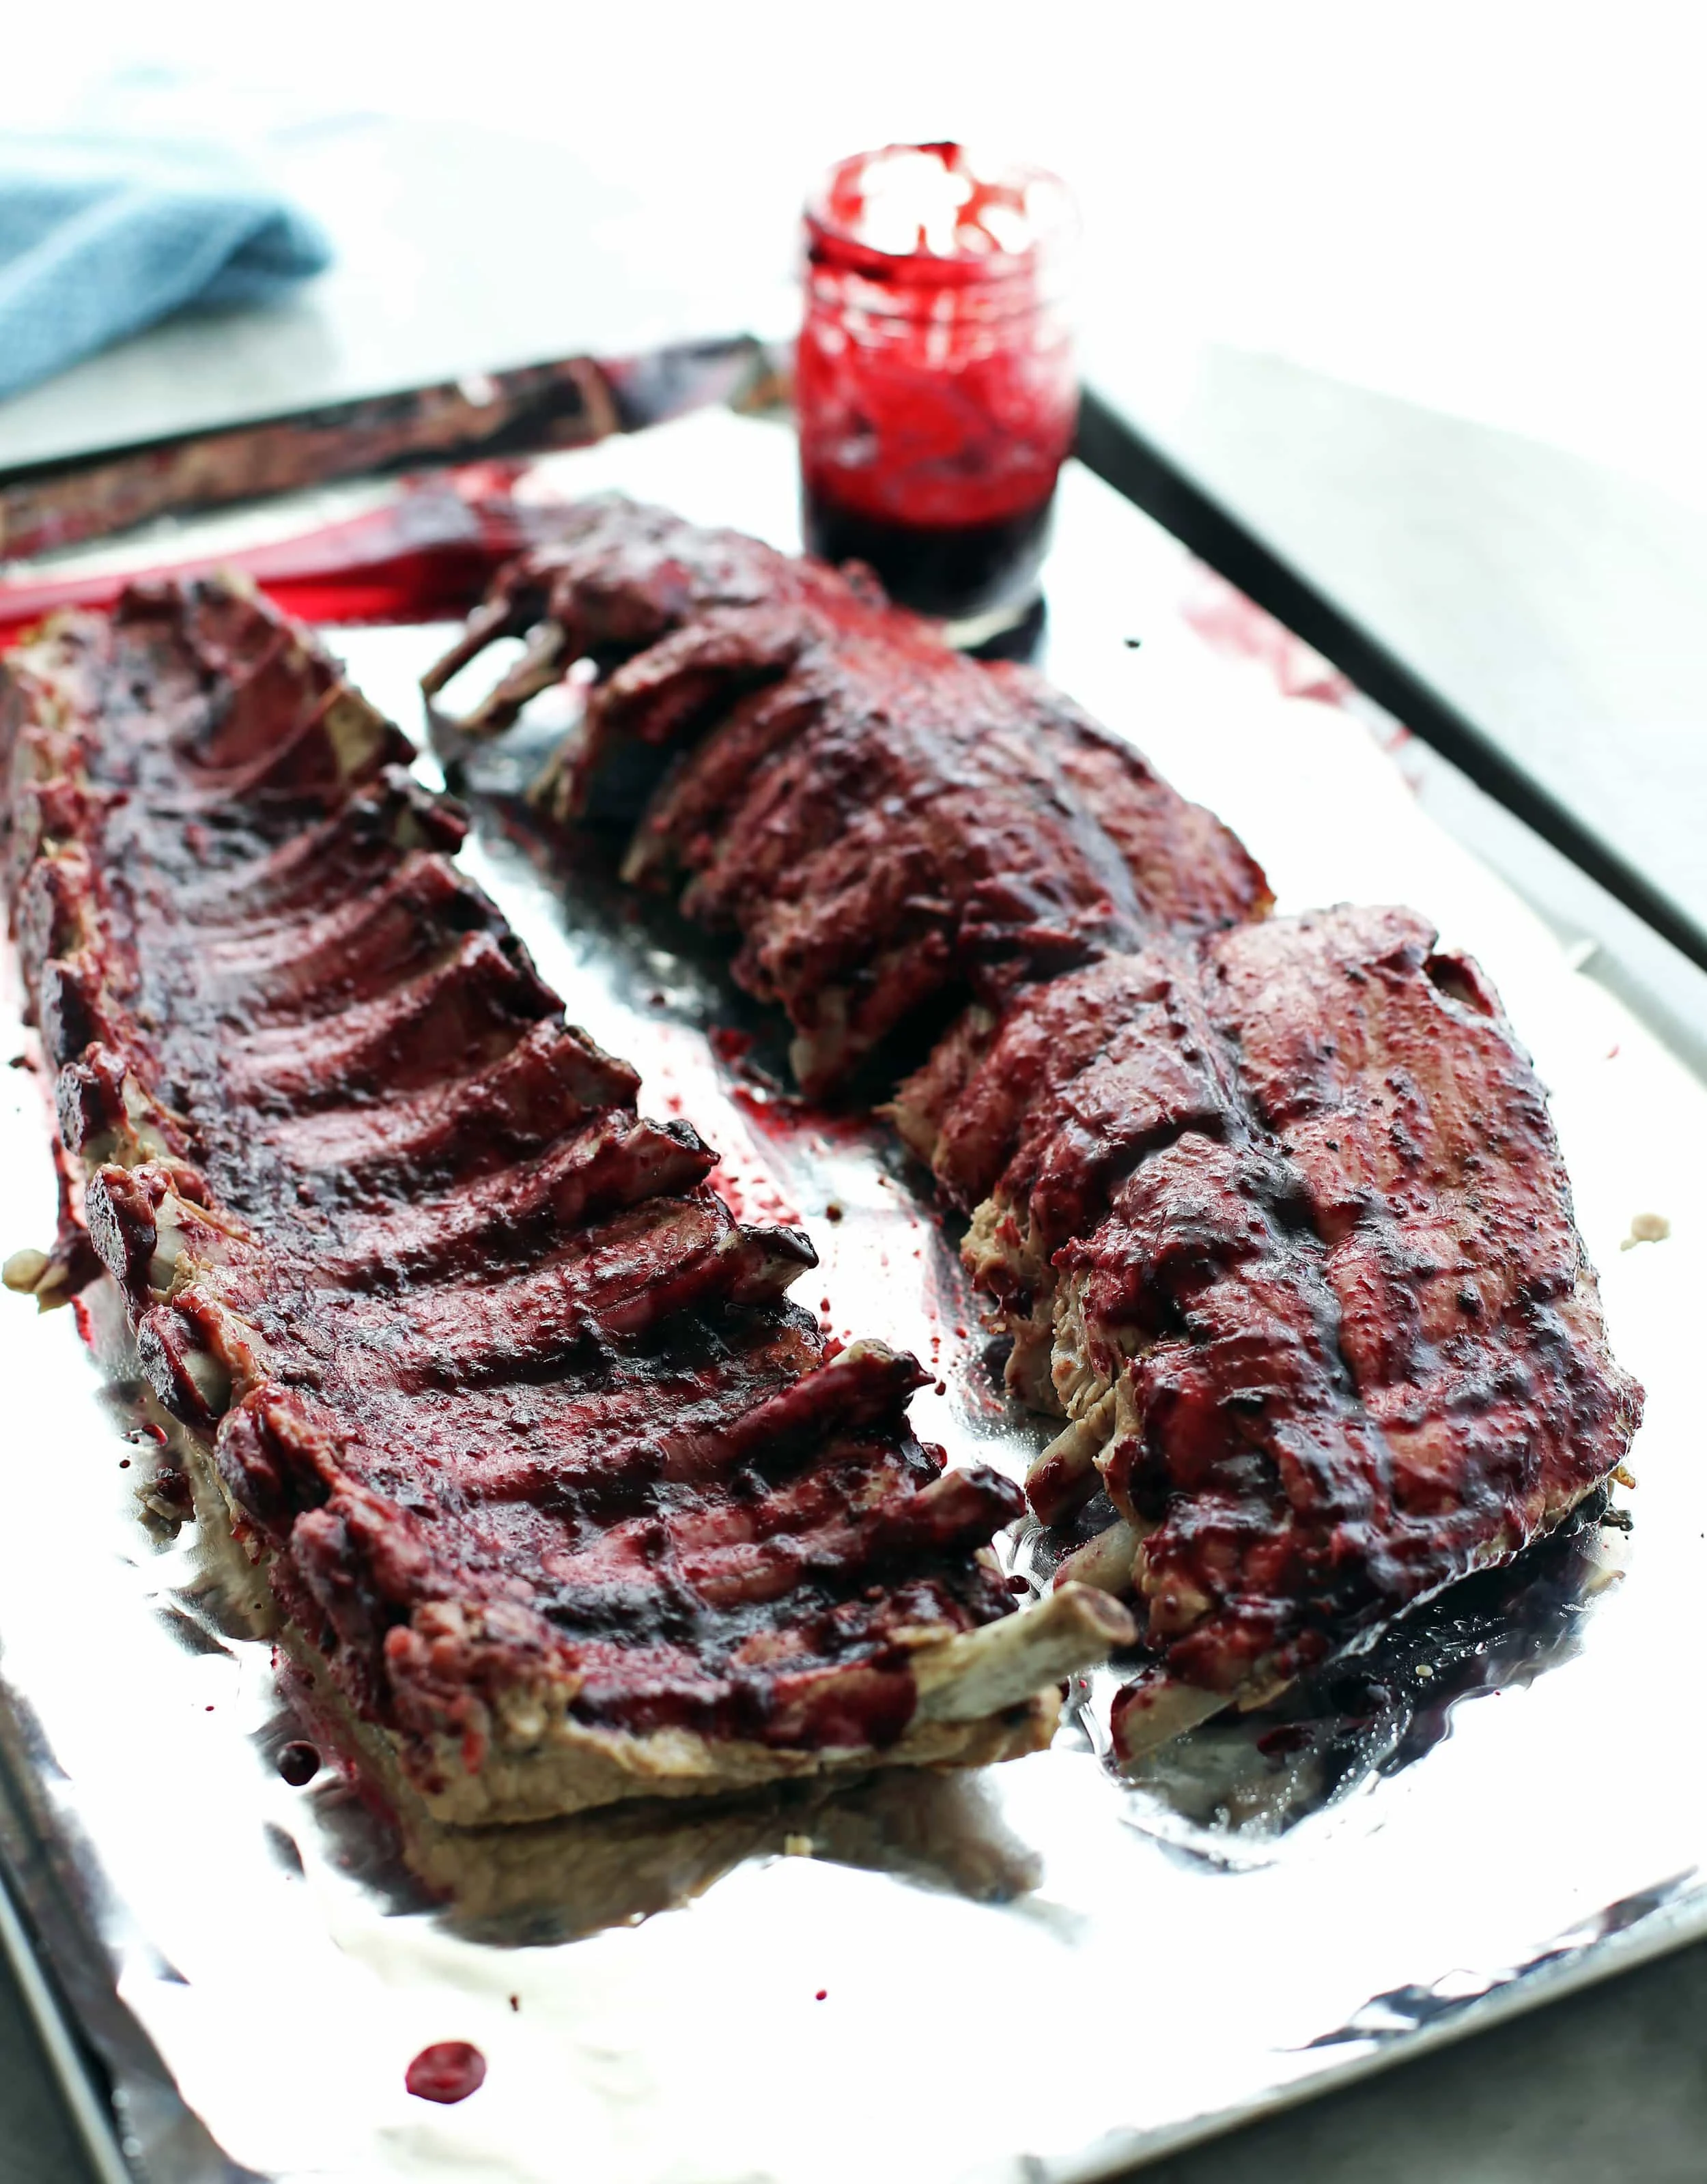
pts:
pixel 562 1499
pixel 1280 1226
pixel 885 825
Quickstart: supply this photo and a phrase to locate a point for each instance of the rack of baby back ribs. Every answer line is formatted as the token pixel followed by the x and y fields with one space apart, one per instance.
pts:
pixel 1271 1206
pixel 562 1500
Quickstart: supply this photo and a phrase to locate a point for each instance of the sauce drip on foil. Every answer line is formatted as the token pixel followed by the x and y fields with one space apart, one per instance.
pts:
pixel 447 2072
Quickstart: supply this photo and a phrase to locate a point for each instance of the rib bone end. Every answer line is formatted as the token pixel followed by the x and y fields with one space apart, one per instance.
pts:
pixel 983 1671
pixel 1149 1714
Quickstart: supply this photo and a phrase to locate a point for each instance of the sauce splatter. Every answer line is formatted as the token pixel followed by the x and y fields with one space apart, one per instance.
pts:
pixel 447 2072
pixel 298 1764
pixel 729 1044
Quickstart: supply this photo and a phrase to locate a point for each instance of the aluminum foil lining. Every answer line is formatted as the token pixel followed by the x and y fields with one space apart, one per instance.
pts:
pixel 1040 1972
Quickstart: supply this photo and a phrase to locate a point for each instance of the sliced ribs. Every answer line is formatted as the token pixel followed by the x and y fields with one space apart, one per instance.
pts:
pixel 885 826
pixel 562 1499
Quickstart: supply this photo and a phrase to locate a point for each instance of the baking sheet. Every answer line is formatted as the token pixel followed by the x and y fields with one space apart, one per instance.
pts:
pixel 1040 1972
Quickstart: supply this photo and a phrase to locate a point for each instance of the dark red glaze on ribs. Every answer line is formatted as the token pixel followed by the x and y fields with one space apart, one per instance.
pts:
pixel 510 1400
pixel 884 824
pixel 1291 1195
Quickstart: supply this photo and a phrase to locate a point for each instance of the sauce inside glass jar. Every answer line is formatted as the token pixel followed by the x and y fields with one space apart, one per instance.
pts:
pixel 934 380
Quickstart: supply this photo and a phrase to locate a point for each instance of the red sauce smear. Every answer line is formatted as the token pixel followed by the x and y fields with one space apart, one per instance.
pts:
pixel 425 556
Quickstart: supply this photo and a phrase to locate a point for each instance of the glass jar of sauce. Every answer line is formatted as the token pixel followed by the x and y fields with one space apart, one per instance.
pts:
pixel 933 379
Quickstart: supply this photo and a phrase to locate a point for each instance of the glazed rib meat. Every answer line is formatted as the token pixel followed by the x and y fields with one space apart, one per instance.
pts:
pixel 1271 1208
pixel 885 826
pixel 1279 1223
pixel 562 1500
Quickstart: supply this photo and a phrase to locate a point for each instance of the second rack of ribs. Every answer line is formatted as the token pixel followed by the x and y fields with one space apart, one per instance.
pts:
pixel 1272 1207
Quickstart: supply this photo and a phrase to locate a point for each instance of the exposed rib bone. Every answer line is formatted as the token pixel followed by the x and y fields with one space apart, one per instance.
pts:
pixel 1106 1561
pixel 985 1670
pixel 540 666
pixel 499 617
pixel 1064 1476
pixel 1150 1714
pixel 24 1270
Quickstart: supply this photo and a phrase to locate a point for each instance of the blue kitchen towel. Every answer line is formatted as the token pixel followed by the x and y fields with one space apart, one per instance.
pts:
pixel 96 242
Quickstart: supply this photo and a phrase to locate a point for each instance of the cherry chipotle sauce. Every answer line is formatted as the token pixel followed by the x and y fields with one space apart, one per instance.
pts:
pixel 934 377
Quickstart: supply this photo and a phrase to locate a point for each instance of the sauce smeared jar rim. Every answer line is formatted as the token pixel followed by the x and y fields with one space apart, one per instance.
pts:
pixel 936 216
